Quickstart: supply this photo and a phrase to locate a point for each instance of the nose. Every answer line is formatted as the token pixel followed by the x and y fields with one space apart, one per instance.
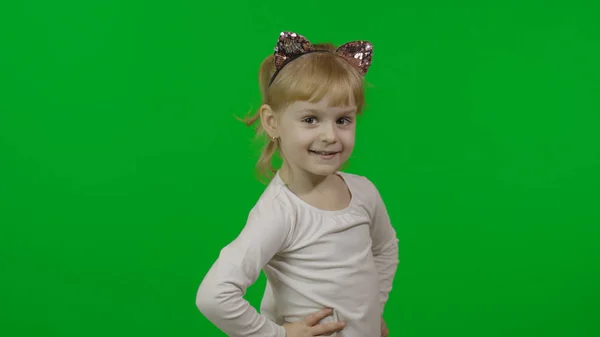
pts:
pixel 329 133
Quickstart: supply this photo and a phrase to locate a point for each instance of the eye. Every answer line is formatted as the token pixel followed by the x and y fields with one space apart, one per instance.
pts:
pixel 309 120
pixel 345 120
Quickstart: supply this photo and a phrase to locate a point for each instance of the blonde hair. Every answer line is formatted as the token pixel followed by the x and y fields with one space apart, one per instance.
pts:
pixel 307 78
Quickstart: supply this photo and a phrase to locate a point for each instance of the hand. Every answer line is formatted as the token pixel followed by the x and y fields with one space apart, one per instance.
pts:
pixel 308 327
pixel 384 330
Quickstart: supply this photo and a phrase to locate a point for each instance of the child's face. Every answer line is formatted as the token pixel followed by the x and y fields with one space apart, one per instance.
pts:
pixel 315 137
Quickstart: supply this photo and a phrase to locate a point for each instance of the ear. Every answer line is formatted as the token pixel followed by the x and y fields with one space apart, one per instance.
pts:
pixel 268 120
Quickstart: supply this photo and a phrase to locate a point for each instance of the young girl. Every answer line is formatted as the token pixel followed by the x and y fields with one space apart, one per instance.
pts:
pixel 323 237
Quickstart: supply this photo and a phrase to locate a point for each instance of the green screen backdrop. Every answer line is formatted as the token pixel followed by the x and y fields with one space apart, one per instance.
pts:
pixel 123 171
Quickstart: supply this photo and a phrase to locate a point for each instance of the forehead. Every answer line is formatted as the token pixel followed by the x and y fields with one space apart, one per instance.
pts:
pixel 322 105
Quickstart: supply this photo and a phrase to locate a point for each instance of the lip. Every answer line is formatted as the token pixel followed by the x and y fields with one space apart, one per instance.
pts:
pixel 324 156
pixel 338 151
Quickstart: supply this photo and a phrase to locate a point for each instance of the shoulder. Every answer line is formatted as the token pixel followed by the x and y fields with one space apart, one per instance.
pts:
pixel 364 192
pixel 272 203
pixel 359 183
pixel 273 212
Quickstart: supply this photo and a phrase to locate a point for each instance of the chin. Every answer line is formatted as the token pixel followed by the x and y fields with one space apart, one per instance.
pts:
pixel 323 171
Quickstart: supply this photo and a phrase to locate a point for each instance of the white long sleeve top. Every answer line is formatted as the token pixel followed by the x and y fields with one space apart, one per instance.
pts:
pixel 313 258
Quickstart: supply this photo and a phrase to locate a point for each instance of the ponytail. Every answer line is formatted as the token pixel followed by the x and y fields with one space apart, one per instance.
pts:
pixel 264 167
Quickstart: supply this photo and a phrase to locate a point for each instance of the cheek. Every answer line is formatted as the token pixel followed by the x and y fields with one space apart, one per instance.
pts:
pixel 294 142
pixel 349 138
pixel 299 140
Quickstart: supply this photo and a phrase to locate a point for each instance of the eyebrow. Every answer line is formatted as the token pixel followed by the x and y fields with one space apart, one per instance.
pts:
pixel 319 111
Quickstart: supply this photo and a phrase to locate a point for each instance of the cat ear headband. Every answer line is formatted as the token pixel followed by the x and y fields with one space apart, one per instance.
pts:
pixel 290 46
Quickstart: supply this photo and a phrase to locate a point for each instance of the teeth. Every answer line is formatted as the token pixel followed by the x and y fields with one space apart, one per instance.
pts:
pixel 323 153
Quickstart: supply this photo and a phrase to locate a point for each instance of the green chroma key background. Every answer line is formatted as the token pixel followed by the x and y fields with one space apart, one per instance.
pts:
pixel 123 171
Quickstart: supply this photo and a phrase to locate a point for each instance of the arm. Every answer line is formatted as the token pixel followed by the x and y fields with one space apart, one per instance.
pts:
pixel 384 246
pixel 220 296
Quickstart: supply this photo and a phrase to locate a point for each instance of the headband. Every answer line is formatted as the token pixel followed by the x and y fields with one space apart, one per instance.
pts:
pixel 290 46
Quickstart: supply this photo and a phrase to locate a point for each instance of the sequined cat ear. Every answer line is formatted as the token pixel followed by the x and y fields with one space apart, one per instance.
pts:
pixel 289 46
pixel 358 53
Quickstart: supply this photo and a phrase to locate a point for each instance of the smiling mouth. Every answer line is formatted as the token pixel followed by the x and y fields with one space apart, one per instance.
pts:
pixel 323 153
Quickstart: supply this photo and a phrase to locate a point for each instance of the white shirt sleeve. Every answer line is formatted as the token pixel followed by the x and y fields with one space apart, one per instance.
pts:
pixel 220 296
pixel 384 247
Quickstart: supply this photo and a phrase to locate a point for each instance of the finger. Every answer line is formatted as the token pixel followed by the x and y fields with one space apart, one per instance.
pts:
pixel 328 328
pixel 316 317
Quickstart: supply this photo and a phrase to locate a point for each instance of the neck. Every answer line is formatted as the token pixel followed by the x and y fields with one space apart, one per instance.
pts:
pixel 302 182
